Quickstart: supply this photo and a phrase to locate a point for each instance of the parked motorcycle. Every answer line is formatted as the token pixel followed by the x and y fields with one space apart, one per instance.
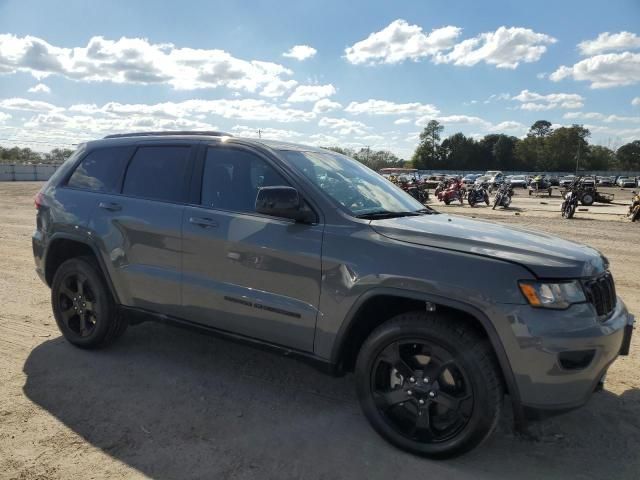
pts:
pixel 454 191
pixel 570 203
pixel 634 209
pixel 477 194
pixel 503 196
pixel 416 190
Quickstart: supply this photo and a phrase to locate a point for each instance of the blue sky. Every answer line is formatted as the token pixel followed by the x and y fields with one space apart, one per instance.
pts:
pixel 363 74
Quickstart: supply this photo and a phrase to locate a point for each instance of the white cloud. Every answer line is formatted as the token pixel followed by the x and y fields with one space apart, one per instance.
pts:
pixel 537 102
pixel 402 121
pixel 4 117
pixel 400 41
pixel 603 71
pixel 39 88
pixel 300 52
pixel 509 125
pixel 27 105
pixel 610 42
pixel 311 93
pixel 636 102
pixel 504 48
pixel 507 47
pixel 384 107
pixel 470 121
pixel 136 60
pixel 343 126
pixel 270 133
pixel 601 116
pixel 325 105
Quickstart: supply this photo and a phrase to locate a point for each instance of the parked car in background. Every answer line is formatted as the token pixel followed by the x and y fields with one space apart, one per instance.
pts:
pixel 433 180
pixel 518 181
pixel 470 178
pixel 605 181
pixel 554 180
pixel 483 180
pixel 627 182
pixel 567 180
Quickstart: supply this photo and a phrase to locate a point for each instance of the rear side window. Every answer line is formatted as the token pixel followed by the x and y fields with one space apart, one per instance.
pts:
pixel 157 173
pixel 101 170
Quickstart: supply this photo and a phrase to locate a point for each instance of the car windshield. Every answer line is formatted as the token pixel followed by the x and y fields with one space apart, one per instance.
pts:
pixel 354 186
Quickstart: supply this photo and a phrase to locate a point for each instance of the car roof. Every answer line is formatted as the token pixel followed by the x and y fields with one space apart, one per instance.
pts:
pixel 125 139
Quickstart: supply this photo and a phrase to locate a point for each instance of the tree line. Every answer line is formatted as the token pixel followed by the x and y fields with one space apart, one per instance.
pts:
pixel 544 149
pixel 26 155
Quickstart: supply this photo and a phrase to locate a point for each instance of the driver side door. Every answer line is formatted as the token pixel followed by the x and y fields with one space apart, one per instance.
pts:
pixel 243 272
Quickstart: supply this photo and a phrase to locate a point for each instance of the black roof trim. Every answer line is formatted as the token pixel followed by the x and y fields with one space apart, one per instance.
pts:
pixel 170 133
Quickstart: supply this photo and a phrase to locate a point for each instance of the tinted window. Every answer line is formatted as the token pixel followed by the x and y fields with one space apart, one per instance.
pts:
pixel 157 173
pixel 100 170
pixel 231 179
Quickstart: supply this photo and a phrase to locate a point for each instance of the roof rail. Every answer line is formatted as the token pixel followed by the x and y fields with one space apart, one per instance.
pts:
pixel 170 133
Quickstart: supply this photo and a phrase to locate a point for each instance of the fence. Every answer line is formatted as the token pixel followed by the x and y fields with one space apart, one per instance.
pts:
pixel 17 173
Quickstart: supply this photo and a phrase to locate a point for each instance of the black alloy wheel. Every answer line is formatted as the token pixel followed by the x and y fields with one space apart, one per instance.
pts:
pixel 78 304
pixel 421 391
pixel 83 307
pixel 429 384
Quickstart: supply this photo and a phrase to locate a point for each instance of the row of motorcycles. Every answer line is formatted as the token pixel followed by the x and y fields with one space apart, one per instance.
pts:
pixel 452 190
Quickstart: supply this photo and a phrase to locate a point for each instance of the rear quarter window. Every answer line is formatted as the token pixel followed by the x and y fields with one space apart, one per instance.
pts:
pixel 101 170
pixel 158 173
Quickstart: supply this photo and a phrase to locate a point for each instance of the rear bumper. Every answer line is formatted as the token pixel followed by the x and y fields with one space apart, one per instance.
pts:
pixel 37 245
pixel 559 358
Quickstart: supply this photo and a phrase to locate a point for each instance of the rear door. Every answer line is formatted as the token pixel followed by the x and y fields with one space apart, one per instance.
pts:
pixel 244 272
pixel 138 228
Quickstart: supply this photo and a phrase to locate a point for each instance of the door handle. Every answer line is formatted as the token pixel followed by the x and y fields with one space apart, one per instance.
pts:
pixel 111 206
pixel 203 222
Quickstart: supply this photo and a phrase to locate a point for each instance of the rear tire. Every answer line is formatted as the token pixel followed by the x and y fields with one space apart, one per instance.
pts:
pixel 440 407
pixel 83 307
pixel 587 199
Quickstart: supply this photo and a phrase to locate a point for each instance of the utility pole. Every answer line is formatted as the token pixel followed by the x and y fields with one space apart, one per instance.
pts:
pixel 578 158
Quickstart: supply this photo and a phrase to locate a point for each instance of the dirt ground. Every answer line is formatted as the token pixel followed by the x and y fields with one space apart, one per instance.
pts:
pixel 171 403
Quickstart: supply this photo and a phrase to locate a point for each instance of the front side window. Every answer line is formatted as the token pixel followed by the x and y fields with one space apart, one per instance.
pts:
pixel 100 170
pixel 232 177
pixel 157 173
pixel 348 182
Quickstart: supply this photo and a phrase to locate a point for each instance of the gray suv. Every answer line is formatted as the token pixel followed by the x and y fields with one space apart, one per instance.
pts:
pixel 310 253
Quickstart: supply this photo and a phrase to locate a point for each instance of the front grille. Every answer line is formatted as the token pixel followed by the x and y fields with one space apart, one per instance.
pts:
pixel 601 293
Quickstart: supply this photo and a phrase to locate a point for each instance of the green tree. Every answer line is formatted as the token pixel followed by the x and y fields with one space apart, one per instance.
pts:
pixel 599 158
pixel 565 149
pixel 428 153
pixel 503 153
pixel 628 156
pixel 57 155
pixel 459 152
pixel 540 129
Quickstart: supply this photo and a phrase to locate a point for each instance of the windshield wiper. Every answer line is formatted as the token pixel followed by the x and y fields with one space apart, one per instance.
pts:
pixel 382 214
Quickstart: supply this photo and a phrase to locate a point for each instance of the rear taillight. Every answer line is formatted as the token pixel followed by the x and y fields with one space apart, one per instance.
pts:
pixel 38 200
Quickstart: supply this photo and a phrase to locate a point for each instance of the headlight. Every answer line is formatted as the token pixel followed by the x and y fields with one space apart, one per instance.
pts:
pixel 558 295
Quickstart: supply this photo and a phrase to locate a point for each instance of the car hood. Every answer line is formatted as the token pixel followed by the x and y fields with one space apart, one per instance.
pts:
pixel 545 255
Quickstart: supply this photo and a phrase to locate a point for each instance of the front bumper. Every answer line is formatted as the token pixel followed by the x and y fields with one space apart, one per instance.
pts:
pixel 558 358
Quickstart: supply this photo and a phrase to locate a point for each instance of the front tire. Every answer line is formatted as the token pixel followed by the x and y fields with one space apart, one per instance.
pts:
pixel 83 307
pixel 429 384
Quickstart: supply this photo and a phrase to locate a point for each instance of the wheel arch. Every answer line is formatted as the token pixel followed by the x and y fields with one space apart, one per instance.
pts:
pixel 355 329
pixel 62 247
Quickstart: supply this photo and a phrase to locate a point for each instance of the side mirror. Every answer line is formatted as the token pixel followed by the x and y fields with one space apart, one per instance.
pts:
pixel 282 202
